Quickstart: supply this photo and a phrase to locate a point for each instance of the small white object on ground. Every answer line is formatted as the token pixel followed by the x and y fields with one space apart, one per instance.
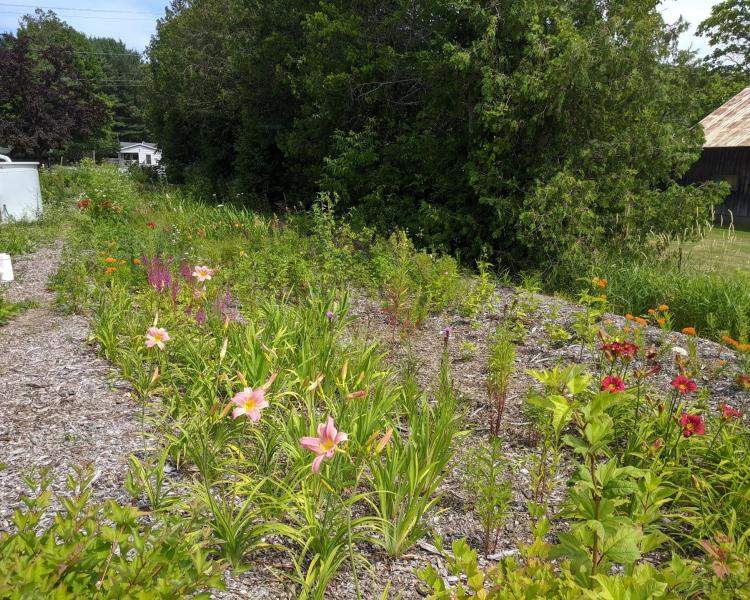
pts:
pixel 6 268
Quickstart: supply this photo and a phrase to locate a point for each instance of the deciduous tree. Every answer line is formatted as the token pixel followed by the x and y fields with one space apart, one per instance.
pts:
pixel 50 98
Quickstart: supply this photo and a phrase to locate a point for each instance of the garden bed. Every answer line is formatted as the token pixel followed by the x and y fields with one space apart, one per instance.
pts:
pixel 243 336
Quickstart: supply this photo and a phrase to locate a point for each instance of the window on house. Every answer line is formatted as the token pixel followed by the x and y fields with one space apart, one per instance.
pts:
pixel 148 159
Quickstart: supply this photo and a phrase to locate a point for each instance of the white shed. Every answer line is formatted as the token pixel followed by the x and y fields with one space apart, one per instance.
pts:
pixel 141 153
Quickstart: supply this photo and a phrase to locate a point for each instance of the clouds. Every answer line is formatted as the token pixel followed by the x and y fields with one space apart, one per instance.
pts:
pixel 133 22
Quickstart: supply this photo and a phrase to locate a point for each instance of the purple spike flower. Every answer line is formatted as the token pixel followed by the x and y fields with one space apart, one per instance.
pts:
pixel 186 271
pixel 157 272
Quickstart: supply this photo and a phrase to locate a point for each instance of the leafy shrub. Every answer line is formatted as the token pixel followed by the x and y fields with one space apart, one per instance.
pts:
pixel 98 550
pixel 422 128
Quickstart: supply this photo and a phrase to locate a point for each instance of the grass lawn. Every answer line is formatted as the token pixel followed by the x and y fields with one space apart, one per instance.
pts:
pixel 727 248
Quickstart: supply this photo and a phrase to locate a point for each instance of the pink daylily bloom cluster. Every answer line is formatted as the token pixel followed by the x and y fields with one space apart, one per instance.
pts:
pixel 326 444
pixel 156 336
pixel 249 402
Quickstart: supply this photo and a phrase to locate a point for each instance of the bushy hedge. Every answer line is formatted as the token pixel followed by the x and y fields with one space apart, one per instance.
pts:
pixel 529 131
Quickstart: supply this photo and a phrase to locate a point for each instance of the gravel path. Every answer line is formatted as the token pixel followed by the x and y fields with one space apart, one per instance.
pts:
pixel 60 405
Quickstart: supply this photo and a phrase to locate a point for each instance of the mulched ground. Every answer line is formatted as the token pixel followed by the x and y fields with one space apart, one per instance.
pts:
pixel 60 405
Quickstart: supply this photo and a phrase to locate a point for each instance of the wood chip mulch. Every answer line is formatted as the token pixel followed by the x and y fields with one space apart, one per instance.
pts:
pixel 60 405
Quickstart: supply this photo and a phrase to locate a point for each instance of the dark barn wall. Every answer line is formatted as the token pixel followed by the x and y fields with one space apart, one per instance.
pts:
pixel 731 165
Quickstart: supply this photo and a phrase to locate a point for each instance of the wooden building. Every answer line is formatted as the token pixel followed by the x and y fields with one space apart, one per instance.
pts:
pixel 726 156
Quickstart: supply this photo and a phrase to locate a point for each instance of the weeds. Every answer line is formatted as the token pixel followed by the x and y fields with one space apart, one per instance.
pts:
pixel 501 362
pixel 488 471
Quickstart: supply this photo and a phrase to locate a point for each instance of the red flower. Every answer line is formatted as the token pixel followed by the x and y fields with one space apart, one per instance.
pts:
pixel 624 350
pixel 151 225
pixel 613 384
pixel 692 425
pixel 83 203
pixel 728 413
pixel 684 385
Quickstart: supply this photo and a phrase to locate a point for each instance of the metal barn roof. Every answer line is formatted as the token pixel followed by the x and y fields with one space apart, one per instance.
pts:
pixel 729 125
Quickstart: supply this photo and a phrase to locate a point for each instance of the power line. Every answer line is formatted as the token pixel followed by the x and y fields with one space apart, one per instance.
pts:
pixel 98 18
pixel 91 10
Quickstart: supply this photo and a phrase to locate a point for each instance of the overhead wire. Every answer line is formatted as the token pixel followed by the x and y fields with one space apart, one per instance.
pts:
pixel 96 17
pixel 77 9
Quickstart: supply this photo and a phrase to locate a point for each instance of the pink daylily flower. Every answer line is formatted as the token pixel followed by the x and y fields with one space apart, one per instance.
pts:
pixel 325 444
pixel 203 273
pixel 249 402
pixel 156 336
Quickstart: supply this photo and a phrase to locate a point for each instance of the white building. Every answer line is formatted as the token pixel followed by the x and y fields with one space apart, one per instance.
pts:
pixel 141 153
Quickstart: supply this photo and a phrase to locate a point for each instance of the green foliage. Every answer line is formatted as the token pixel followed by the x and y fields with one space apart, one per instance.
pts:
pixel 124 77
pixel 8 310
pixel 491 487
pixel 98 550
pixel 407 474
pixel 251 484
pixel 713 302
pixel 728 32
pixel 600 534
pixel 500 368
pixel 274 319
pixel 53 104
pixel 478 298
pixel 507 580
pixel 405 113
pixel 510 580
pixel 148 479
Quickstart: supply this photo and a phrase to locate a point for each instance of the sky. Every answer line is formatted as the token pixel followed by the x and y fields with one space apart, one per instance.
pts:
pixel 693 11
pixel 134 21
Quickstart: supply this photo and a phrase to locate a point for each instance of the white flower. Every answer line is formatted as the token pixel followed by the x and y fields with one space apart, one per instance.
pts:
pixel 679 350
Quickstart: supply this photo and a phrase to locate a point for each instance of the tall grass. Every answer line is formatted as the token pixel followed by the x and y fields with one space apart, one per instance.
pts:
pixel 713 302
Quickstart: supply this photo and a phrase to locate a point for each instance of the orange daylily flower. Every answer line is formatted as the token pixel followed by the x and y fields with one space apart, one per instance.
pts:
pixel 689 331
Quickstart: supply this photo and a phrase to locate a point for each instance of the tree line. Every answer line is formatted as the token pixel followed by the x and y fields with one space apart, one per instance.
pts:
pixel 64 95
pixel 534 132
